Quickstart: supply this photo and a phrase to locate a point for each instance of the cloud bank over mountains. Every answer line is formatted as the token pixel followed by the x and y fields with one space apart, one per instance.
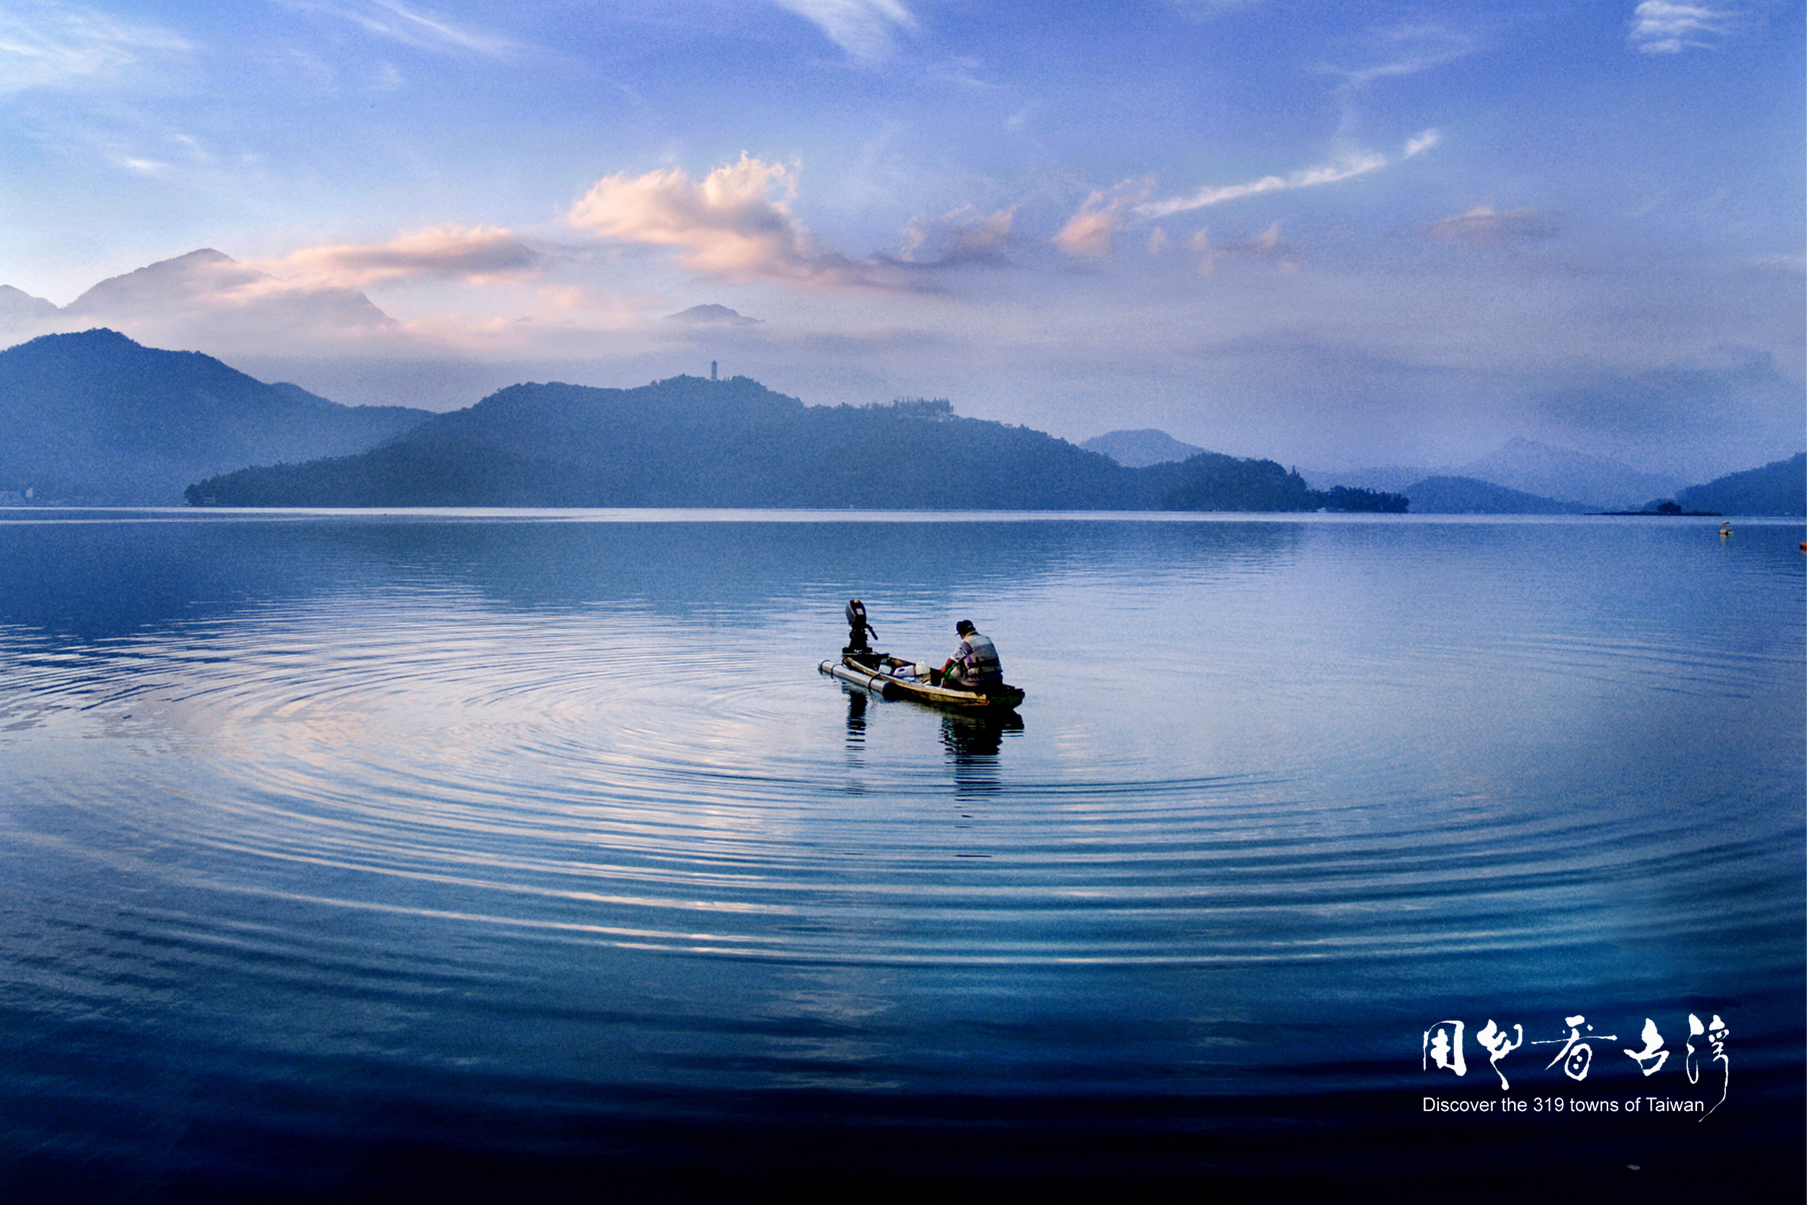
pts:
pixel 209 291
pixel 479 256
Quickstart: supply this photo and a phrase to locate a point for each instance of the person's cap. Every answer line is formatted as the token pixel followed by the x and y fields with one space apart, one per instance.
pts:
pixel 965 626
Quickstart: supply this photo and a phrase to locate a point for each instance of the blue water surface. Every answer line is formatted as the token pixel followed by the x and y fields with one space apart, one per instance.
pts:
pixel 498 853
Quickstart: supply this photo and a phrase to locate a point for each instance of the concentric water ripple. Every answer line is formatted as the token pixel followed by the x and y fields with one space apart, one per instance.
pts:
pixel 382 793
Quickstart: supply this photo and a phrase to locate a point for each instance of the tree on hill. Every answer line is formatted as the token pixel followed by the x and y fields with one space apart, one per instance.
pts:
pixel 1213 481
pixel 1359 501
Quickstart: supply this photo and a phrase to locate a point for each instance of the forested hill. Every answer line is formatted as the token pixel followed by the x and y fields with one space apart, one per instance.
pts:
pixel 1778 488
pixel 96 418
pixel 692 442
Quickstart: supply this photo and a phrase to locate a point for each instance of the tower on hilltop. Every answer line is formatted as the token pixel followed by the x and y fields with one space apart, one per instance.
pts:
pixel 712 375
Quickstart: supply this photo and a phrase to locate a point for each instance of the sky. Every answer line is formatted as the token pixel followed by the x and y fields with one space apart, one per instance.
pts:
pixel 1334 235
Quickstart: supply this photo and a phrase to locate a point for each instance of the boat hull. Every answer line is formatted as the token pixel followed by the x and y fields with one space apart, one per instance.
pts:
pixel 886 679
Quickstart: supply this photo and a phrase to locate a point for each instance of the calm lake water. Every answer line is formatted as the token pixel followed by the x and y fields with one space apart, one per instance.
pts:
pixel 496 853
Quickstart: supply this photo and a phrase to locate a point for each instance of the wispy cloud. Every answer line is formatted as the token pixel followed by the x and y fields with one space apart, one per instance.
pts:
pixel 726 225
pixel 51 45
pixel 1267 247
pixel 481 255
pixel 1311 177
pixel 1660 27
pixel 145 167
pixel 1484 226
pixel 1785 265
pixel 420 29
pixel 963 236
pixel 1402 50
pixel 1089 232
pixel 1330 173
pixel 865 29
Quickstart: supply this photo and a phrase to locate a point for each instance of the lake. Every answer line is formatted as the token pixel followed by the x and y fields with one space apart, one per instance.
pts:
pixel 497 853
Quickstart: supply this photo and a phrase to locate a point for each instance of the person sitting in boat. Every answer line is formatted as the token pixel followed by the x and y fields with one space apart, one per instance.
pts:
pixel 974 665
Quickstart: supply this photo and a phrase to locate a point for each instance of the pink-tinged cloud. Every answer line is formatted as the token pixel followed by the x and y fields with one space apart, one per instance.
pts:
pixel 208 300
pixel 1483 226
pixel 726 225
pixel 1088 233
pixel 483 255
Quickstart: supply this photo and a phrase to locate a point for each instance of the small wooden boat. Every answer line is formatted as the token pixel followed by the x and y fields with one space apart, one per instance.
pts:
pixel 894 678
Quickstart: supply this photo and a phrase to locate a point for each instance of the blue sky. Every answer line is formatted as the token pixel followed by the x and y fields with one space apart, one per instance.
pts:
pixel 1331 234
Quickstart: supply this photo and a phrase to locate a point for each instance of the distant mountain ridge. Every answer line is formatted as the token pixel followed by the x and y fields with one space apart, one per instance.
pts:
pixel 162 300
pixel 1591 481
pixel 96 418
pixel 17 308
pixel 1140 448
pixel 686 441
pixel 1576 481
pixel 1469 496
pixel 712 315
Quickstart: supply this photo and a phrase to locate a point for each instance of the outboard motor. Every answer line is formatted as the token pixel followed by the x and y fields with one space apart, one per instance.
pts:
pixel 857 627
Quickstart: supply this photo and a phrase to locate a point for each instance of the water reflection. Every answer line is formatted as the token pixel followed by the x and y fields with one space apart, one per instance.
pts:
pixel 110 574
pixel 970 743
pixel 973 744
pixel 856 717
pixel 975 739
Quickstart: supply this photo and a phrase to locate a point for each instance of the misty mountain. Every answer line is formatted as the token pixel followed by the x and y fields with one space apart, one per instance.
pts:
pixel 19 308
pixel 1594 482
pixel 1579 481
pixel 712 315
pixel 693 442
pixel 211 281
pixel 1445 495
pixel 240 305
pixel 1137 449
pixel 96 418
pixel 1778 488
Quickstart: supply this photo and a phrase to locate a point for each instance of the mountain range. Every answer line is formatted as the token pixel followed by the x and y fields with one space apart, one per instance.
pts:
pixel 166 296
pixel 687 441
pixel 94 418
pixel 1574 481
pixel 1521 477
